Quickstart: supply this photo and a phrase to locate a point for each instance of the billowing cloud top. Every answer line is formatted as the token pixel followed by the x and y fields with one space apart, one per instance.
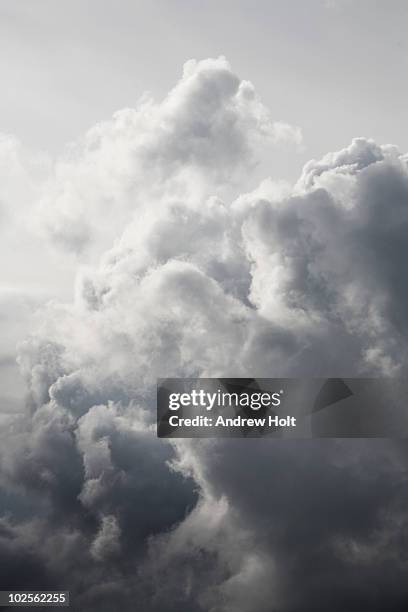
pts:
pixel 280 281
pixel 199 138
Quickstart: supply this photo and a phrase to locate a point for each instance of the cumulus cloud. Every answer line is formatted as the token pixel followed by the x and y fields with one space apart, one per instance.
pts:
pixel 326 522
pixel 194 142
pixel 328 258
pixel 201 281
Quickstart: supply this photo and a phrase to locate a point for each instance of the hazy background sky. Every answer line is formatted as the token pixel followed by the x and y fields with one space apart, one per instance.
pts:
pixel 334 67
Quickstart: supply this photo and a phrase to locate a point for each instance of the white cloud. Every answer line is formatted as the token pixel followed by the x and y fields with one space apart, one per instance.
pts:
pixel 202 136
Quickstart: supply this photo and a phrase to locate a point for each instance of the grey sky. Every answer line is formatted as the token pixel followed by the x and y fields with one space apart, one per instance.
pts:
pixel 334 67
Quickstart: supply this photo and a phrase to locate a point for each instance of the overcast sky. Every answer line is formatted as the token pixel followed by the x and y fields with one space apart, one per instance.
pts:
pixel 334 67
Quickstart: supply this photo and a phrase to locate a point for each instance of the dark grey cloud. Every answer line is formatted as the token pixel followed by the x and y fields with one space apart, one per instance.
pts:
pixel 330 515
